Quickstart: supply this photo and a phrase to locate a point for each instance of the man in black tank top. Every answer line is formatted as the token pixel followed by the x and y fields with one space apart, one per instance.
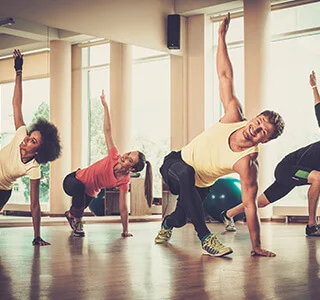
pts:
pixel 301 167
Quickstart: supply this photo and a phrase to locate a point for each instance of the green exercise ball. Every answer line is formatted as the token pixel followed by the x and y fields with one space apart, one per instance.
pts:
pixel 96 205
pixel 224 194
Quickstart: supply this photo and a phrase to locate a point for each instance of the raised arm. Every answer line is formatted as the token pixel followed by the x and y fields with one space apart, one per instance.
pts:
pixel 313 84
pixel 247 168
pixel 231 105
pixel 107 122
pixel 17 94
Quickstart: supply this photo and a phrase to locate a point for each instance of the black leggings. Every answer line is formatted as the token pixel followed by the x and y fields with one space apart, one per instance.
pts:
pixel 4 197
pixel 287 178
pixel 180 177
pixel 75 188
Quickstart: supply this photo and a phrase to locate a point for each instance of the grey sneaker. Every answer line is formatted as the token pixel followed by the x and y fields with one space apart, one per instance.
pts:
pixel 212 246
pixel 313 231
pixel 228 222
pixel 163 236
pixel 78 229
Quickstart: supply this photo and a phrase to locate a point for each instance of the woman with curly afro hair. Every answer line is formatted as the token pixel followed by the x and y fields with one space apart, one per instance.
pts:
pixel 24 154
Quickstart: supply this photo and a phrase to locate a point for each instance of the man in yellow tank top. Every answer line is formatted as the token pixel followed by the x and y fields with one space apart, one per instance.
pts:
pixel 230 146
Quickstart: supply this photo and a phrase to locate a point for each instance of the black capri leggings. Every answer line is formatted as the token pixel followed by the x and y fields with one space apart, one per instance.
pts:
pixel 4 197
pixel 180 177
pixel 288 176
pixel 75 188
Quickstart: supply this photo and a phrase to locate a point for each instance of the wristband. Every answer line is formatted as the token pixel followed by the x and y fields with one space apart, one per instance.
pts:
pixel 313 86
pixel 18 73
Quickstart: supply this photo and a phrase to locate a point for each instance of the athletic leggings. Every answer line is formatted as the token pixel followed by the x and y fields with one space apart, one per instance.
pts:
pixel 4 197
pixel 288 176
pixel 75 188
pixel 180 177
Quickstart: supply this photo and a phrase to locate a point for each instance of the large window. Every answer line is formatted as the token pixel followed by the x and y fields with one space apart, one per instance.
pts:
pixel 95 76
pixel 150 104
pixel 36 94
pixel 151 108
pixel 294 53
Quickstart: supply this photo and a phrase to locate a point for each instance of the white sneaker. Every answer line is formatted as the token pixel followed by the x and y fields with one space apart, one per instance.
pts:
pixel 228 222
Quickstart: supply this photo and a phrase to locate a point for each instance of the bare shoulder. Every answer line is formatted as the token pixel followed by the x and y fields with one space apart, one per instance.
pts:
pixel 248 163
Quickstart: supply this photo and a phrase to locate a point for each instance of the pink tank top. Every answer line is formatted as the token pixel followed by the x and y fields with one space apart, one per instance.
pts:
pixel 100 175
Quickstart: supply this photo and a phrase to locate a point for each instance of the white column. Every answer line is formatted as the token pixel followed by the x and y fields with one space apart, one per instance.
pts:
pixel 196 75
pixel 76 113
pixel 120 94
pixel 178 92
pixel 60 115
pixel 178 104
pixel 256 45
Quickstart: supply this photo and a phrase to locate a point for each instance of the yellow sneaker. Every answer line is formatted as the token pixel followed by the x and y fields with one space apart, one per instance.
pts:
pixel 163 236
pixel 212 246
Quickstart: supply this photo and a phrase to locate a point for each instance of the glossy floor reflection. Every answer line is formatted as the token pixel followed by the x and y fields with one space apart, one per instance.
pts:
pixel 104 266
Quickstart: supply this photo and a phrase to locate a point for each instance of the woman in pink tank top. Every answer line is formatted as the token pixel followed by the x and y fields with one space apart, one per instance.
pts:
pixel 112 171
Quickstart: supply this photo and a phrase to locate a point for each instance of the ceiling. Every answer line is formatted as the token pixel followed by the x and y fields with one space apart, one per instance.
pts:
pixel 28 36
pixel 37 22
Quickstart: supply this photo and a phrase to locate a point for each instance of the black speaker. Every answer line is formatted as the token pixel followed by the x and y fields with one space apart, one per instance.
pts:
pixel 173 31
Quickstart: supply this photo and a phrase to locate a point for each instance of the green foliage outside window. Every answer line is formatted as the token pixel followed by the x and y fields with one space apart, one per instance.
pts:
pixel 98 147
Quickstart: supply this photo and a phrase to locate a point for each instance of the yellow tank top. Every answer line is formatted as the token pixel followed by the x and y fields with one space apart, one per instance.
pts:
pixel 210 155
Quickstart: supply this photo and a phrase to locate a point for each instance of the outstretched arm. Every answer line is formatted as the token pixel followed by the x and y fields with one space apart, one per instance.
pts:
pixel 313 84
pixel 36 212
pixel 247 168
pixel 17 94
pixel 107 122
pixel 124 213
pixel 231 105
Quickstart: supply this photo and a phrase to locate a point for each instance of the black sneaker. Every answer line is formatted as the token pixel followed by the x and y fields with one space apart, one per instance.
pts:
pixel 70 220
pixel 78 229
pixel 313 231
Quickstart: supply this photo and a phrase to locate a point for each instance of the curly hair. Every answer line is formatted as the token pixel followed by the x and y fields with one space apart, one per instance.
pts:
pixel 275 119
pixel 50 148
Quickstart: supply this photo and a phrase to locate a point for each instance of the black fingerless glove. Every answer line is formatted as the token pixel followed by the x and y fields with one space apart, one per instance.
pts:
pixel 37 240
pixel 18 62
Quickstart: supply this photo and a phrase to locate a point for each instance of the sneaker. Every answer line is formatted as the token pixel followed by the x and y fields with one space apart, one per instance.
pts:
pixel 78 229
pixel 313 231
pixel 212 246
pixel 70 220
pixel 228 222
pixel 163 236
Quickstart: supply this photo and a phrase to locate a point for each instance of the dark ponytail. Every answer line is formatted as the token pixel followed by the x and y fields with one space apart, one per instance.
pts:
pixel 148 181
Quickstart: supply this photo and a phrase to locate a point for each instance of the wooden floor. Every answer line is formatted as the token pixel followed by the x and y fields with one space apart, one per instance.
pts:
pixel 104 266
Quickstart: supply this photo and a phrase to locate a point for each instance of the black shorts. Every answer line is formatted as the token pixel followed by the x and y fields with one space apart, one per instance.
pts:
pixel 4 197
pixel 287 176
